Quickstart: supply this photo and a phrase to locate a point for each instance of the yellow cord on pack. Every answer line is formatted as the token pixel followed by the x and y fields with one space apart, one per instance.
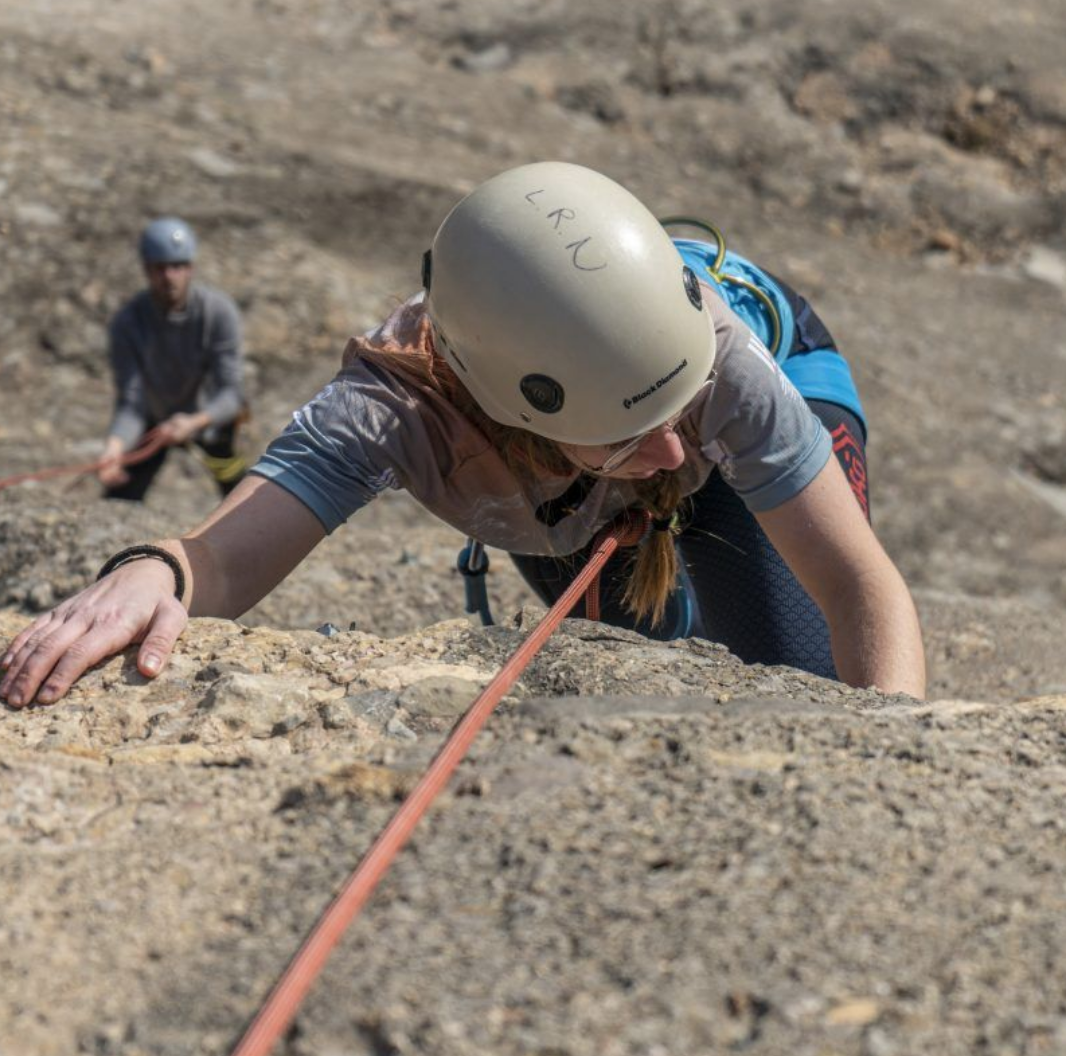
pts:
pixel 718 275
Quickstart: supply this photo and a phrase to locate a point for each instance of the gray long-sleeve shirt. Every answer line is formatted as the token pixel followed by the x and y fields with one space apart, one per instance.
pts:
pixel 187 361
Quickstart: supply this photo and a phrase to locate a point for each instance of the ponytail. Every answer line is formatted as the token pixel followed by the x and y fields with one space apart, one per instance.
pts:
pixel 653 572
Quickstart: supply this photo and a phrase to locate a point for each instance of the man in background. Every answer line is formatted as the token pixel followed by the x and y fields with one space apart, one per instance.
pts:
pixel 176 357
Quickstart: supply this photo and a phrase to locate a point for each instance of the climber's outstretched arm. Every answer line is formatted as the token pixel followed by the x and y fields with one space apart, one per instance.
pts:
pixel 237 556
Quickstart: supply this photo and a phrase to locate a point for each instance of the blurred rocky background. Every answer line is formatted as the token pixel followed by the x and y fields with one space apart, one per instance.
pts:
pixel 654 849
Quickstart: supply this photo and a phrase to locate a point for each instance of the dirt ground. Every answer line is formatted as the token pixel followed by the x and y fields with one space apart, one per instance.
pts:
pixel 904 166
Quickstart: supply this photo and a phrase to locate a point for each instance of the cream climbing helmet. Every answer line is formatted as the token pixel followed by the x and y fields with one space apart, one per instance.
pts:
pixel 564 307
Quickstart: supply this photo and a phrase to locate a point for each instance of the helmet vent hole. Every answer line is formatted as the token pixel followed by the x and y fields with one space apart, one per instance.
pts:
pixel 525 417
pixel 692 288
pixel 543 394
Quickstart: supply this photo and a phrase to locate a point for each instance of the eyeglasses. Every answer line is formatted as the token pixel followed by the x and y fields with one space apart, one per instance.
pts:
pixel 623 450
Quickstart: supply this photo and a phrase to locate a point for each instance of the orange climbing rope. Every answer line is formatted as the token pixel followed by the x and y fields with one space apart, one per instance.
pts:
pixel 284 1000
pixel 147 446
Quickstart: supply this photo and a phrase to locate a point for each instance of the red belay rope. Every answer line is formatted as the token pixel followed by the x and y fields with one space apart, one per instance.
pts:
pixel 281 1006
pixel 147 446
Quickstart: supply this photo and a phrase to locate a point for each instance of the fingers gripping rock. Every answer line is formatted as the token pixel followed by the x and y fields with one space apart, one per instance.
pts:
pixel 166 627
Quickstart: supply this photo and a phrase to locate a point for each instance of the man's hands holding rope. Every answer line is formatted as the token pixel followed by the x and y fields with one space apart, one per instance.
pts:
pixel 181 428
pixel 133 604
pixel 111 470
pixel 178 429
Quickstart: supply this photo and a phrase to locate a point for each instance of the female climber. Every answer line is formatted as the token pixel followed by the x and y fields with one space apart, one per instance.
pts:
pixel 567 363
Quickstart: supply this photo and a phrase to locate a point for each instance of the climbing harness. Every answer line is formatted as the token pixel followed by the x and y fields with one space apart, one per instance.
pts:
pixel 147 446
pixel 283 1002
pixel 719 276
pixel 226 469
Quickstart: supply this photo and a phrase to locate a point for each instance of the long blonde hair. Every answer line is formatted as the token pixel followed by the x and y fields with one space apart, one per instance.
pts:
pixel 653 568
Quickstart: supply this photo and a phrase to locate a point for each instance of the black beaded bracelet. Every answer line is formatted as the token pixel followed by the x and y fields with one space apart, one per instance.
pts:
pixel 136 553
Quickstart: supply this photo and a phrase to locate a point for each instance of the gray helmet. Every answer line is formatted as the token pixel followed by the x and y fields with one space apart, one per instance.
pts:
pixel 168 241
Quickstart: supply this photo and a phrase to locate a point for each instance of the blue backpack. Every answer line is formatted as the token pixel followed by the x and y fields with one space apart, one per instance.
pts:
pixel 818 374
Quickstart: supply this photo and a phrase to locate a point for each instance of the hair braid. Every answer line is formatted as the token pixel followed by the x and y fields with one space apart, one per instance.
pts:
pixel 653 572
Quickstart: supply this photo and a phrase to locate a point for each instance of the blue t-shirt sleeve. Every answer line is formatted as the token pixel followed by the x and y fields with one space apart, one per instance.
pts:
pixel 807 455
pixel 332 456
pixel 767 442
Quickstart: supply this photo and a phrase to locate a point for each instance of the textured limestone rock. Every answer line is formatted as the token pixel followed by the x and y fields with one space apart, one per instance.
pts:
pixel 650 848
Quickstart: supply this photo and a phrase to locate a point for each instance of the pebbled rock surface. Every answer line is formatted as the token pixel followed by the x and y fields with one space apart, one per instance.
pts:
pixel 652 849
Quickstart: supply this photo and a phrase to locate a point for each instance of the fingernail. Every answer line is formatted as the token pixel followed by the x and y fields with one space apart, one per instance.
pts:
pixel 6 662
pixel 152 663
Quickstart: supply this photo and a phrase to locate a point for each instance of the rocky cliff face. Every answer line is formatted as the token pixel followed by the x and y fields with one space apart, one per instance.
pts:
pixel 651 849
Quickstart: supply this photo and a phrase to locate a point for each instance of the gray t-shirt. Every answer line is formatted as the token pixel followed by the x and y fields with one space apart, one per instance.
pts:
pixel 373 428
pixel 183 361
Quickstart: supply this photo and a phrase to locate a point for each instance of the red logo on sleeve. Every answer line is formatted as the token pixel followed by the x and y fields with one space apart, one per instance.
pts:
pixel 850 455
